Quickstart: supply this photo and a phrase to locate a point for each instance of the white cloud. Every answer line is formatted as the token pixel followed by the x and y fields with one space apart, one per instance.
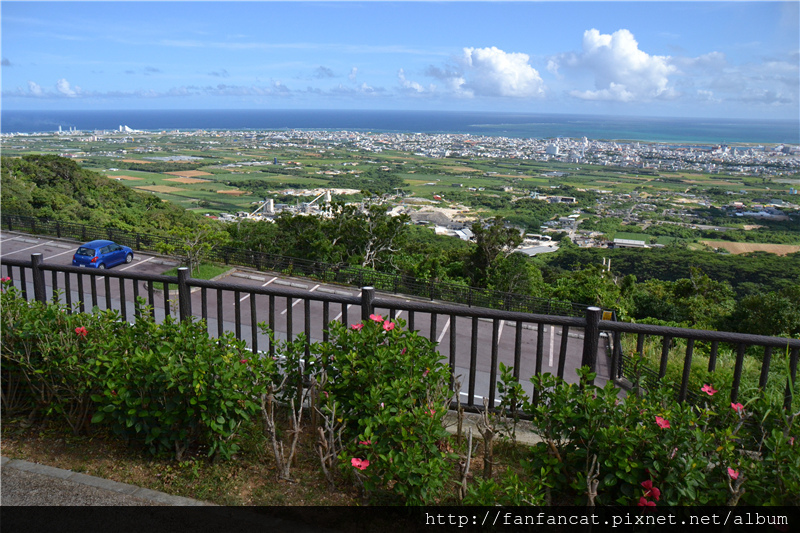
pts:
pixel 408 85
pixel 35 88
pixel 489 72
pixel 622 72
pixel 358 90
pixel 771 82
pixel 353 73
pixel 64 88
pixel 705 95
pixel 615 92
pixel 493 72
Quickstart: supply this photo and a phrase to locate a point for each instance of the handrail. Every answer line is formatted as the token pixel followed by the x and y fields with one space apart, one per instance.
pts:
pixel 368 301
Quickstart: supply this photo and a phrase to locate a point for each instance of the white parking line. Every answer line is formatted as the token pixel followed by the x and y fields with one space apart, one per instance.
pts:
pixel 133 265
pixel 348 308
pixel 444 330
pixel 28 248
pixel 62 253
pixel 246 296
pixel 315 287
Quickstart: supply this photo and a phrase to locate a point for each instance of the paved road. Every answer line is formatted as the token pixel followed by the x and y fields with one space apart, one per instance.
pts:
pixel 59 251
pixel 37 497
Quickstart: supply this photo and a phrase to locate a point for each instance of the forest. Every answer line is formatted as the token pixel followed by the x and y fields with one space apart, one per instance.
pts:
pixel 752 293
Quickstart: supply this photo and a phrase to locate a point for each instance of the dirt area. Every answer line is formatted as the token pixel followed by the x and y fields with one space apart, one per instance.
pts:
pixel 745 247
pixel 464 169
pixel 189 173
pixel 685 201
pixel 234 193
pixel 317 192
pixel 187 180
pixel 716 182
pixel 137 161
pixel 451 213
pixel 124 178
pixel 748 227
pixel 160 188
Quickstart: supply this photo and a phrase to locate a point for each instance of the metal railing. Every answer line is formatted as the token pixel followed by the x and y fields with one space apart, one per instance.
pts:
pixel 328 272
pixel 64 280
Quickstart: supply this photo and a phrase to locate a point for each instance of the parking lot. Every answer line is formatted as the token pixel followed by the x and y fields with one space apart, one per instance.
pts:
pixel 290 315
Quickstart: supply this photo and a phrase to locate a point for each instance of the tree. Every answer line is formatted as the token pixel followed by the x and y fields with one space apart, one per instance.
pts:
pixel 384 234
pixel 492 241
pixel 773 313
pixel 592 285
pixel 517 274
pixel 194 244
pixel 303 237
pixel 697 301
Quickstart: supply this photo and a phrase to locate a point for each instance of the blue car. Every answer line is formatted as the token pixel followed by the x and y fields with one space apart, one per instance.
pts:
pixel 102 254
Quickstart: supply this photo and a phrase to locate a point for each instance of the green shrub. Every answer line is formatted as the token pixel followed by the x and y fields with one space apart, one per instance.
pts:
pixel 173 386
pixel 51 350
pixel 716 453
pixel 168 385
pixel 392 391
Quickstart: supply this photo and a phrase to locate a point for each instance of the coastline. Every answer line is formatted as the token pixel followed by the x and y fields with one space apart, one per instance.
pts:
pixel 650 130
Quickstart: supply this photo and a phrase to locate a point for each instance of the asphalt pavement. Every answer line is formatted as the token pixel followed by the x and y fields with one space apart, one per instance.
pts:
pixel 242 315
pixel 39 498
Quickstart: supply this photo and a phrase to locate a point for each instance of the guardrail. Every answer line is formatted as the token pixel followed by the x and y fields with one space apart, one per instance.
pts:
pixel 32 272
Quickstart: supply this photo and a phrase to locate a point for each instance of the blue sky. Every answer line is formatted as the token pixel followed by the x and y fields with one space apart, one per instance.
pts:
pixel 712 59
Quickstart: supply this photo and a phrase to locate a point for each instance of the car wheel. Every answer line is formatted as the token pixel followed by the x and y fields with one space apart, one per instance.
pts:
pixel 101 266
pixel 129 258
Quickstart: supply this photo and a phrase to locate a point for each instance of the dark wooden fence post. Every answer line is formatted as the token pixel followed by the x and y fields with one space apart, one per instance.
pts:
pixel 591 338
pixel 792 379
pixel 367 296
pixel 184 305
pixel 39 292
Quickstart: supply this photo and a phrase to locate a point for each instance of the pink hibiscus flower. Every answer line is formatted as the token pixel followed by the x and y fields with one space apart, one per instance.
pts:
pixel 651 491
pixel 708 389
pixel 361 464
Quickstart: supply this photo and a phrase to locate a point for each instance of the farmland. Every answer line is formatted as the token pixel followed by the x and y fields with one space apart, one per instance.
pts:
pixel 659 194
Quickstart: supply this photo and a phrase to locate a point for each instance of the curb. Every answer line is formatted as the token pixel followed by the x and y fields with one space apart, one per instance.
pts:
pixel 99 483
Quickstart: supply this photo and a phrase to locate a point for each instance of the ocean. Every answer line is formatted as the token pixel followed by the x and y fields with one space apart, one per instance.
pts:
pixel 500 124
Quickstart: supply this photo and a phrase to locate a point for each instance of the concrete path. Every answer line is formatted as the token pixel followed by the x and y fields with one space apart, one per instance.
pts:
pixel 25 483
pixel 36 497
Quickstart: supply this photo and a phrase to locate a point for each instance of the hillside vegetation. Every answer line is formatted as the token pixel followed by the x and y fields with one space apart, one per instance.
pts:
pixel 55 187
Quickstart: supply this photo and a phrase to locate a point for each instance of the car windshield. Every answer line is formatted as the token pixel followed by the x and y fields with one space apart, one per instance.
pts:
pixel 83 250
